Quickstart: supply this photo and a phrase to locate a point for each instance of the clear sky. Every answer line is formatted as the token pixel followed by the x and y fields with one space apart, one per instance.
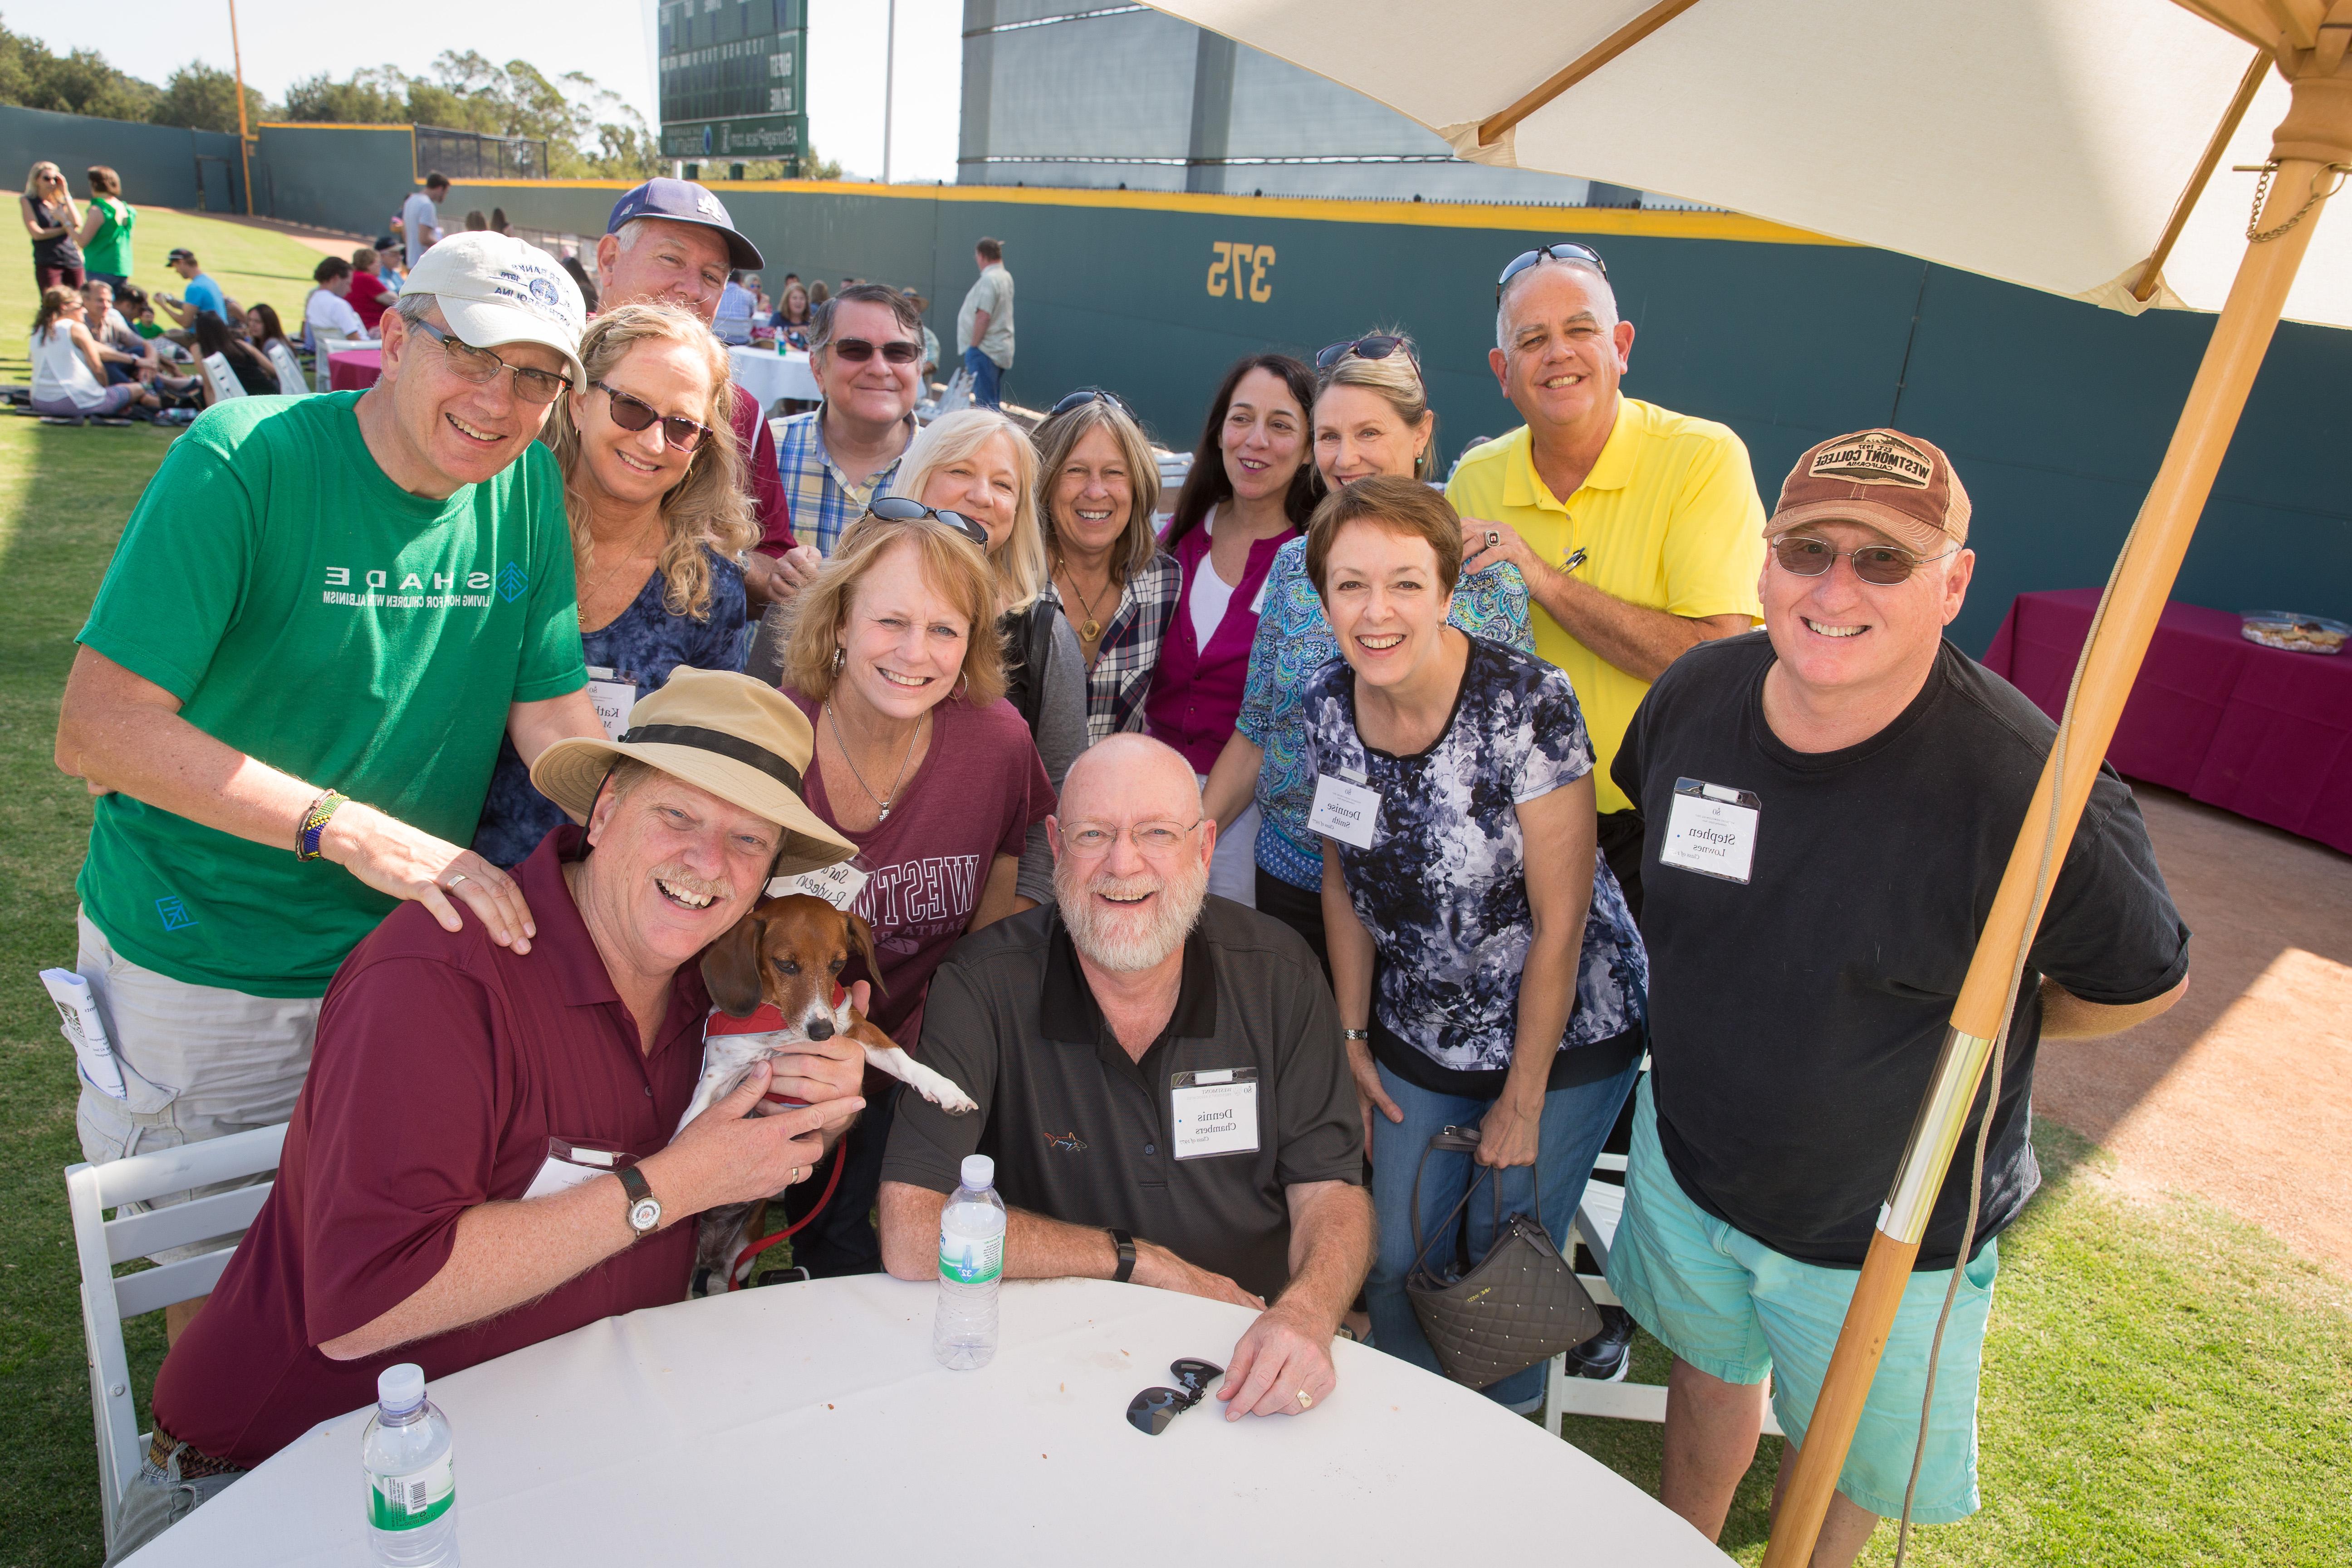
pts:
pixel 609 39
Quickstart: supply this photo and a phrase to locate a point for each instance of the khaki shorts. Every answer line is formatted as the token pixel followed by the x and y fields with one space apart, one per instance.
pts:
pixel 199 1062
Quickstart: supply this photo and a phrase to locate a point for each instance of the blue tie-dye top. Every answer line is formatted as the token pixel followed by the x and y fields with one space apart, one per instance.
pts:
pixel 1293 639
pixel 1444 887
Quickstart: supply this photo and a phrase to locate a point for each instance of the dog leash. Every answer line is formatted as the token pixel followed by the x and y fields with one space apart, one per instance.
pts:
pixel 840 1158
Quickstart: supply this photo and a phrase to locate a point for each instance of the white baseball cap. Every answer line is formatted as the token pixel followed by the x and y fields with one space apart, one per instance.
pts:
pixel 493 289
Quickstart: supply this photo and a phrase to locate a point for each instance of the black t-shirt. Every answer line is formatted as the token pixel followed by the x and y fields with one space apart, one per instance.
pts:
pixel 1795 1020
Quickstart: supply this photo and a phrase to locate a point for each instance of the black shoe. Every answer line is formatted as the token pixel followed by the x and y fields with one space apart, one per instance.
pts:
pixel 1605 1356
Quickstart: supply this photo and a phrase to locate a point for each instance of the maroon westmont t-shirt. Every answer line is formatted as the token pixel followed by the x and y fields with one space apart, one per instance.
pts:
pixel 443 1065
pixel 981 787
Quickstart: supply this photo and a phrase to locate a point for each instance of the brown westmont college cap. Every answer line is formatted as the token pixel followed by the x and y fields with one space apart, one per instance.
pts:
pixel 1898 484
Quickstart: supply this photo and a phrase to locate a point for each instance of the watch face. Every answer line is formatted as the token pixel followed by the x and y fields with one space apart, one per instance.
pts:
pixel 644 1215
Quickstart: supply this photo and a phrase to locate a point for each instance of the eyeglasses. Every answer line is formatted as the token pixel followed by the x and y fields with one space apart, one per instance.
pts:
pixel 858 351
pixel 1803 555
pixel 1150 1411
pixel 1086 395
pixel 635 414
pixel 899 509
pixel 1092 838
pixel 1565 250
pixel 1378 346
pixel 481 366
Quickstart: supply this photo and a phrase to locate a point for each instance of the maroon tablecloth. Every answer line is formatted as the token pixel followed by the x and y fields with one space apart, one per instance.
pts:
pixel 2257 731
pixel 353 370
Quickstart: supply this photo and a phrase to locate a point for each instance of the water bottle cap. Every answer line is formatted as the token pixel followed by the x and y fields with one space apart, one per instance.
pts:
pixel 402 1387
pixel 979 1172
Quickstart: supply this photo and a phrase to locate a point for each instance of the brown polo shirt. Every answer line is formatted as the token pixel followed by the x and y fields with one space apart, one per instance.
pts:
pixel 443 1065
pixel 1083 1133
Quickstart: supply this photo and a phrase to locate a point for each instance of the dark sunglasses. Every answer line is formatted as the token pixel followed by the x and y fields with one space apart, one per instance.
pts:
pixel 1565 250
pixel 635 414
pixel 1803 555
pixel 1150 1411
pixel 481 366
pixel 1086 395
pixel 858 351
pixel 1379 345
pixel 899 509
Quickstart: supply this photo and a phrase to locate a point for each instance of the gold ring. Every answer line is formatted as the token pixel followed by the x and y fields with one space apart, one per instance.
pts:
pixel 1305 1400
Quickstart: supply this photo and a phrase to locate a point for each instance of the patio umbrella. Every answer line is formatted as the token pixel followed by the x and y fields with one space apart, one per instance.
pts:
pixel 2069 145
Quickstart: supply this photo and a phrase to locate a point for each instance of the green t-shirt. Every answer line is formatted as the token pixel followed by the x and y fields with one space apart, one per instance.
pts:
pixel 109 250
pixel 310 613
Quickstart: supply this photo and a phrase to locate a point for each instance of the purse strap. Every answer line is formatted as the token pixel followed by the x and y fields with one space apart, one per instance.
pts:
pixel 1461 1140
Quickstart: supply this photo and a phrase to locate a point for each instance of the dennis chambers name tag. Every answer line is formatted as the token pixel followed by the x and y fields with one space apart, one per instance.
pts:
pixel 1712 830
pixel 1215 1112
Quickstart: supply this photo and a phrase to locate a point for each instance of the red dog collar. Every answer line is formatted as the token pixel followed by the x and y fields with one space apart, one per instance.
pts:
pixel 764 1019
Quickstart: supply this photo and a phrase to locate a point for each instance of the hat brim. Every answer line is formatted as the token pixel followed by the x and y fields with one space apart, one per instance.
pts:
pixel 486 325
pixel 570 772
pixel 1919 538
pixel 743 256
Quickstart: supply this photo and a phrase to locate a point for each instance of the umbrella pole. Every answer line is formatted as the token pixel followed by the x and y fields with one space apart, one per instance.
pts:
pixel 2316 133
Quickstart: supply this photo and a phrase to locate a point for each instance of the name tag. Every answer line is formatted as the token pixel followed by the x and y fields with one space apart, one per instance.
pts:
pixel 1344 811
pixel 1215 1112
pixel 568 1164
pixel 1711 831
pixel 838 884
pixel 613 698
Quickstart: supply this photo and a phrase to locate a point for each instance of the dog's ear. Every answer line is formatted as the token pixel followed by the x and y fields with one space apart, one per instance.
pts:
pixel 861 942
pixel 730 967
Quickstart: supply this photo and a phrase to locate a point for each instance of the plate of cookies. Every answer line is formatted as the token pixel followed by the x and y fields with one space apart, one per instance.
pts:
pixel 2294 632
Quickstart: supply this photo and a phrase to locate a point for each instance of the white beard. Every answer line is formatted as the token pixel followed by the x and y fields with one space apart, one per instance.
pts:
pixel 1121 942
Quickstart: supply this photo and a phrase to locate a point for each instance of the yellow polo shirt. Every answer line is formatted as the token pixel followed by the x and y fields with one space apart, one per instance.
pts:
pixel 1669 518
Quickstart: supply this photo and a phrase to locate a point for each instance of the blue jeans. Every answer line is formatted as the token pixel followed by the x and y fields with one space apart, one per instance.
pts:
pixel 1576 1123
pixel 985 377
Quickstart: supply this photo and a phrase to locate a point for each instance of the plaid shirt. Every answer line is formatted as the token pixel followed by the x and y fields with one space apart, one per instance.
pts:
pixel 1130 646
pixel 821 500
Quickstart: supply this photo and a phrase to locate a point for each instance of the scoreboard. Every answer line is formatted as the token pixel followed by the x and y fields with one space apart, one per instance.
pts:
pixel 732 78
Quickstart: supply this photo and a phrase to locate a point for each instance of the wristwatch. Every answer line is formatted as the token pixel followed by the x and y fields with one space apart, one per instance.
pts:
pixel 645 1209
pixel 1125 1241
pixel 1355 1033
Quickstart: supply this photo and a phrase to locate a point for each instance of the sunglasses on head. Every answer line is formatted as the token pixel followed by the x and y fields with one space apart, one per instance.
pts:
pixel 1150 1411
pixel 635 414
pixel 899 509
pixel 1086 395
pixel 1565 250
pixel 1805 556
pixel 1378 345
pixel 858 351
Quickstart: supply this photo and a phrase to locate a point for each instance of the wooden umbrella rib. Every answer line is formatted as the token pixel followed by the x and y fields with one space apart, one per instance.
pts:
pixel 2246 19
pixel 1490 130
pixel 2251 83
pixel 2297 20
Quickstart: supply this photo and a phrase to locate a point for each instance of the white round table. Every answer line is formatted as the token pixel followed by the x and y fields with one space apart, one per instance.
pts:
pixel 768 376
pixel 811 1419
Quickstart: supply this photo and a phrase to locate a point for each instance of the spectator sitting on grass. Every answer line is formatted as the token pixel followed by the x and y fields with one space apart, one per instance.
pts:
pixel 249 364
pixel 126 355
pixel 329 308
pixel 372 293
pixel 68 377
pixel 202 294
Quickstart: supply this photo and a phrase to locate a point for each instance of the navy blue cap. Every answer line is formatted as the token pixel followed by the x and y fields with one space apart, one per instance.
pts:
pixel 683 201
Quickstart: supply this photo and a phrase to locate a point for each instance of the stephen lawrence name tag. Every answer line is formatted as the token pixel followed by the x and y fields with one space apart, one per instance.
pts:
pixel 1347 812
pixel 1215 1112
pixel 1711 831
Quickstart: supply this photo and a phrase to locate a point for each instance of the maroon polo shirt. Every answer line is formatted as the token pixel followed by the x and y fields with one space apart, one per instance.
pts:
pixel 769 508
pixel 443 1065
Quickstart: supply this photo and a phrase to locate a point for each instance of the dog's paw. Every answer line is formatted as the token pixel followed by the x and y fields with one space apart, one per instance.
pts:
pixel 954 1101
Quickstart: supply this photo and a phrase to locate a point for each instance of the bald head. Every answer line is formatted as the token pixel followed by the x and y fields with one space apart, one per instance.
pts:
pixel 1131 778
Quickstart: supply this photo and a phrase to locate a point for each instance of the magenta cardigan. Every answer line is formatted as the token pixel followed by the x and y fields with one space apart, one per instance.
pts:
pixel 1196 692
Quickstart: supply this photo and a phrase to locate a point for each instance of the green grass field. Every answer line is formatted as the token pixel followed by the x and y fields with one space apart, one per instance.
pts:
pixel 2163 1384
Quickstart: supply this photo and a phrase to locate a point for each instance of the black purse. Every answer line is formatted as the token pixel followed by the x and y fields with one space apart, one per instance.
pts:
pixel 1520 1304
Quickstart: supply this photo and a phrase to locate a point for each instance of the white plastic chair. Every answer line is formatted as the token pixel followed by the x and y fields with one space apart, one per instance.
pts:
pixel 222 380
pixel 291 381
pixel 323 344
pixel 101 1243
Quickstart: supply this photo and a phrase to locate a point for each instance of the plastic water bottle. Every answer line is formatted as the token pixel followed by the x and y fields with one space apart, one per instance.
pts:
pixel 971 1262
pixel 412 1489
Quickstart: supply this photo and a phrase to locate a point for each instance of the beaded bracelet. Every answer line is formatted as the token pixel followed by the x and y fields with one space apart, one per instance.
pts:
pixel 314 824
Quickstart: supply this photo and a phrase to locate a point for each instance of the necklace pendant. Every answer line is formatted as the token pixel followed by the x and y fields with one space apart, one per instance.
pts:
pixel 1092 630
pixel 883 817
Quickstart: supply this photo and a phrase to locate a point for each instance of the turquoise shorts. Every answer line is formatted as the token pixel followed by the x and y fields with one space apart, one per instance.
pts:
pixel 1736 1309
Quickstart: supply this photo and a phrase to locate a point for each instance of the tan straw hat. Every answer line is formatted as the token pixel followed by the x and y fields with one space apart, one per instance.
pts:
pixel 735 737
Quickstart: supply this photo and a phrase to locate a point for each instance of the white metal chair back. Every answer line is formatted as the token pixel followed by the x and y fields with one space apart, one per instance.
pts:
pixel 222 379
pixel 101 1243
pixel 290 380
pixel 323 344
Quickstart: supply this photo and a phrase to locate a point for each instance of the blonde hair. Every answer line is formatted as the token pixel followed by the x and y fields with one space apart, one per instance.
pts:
pixel 706 509
pixel 955 568
pixel 1058 437
pixel 33 178
pixel 1020 564
pixel 1397 381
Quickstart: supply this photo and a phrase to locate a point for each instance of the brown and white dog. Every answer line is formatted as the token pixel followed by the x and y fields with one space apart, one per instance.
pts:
pixel 776 979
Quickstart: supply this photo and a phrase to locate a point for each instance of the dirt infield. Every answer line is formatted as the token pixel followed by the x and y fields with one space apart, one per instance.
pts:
pixel 2242 1093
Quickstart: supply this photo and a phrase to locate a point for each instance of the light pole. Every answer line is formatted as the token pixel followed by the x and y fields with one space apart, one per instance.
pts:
pixel 889 82
pixel 243 136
